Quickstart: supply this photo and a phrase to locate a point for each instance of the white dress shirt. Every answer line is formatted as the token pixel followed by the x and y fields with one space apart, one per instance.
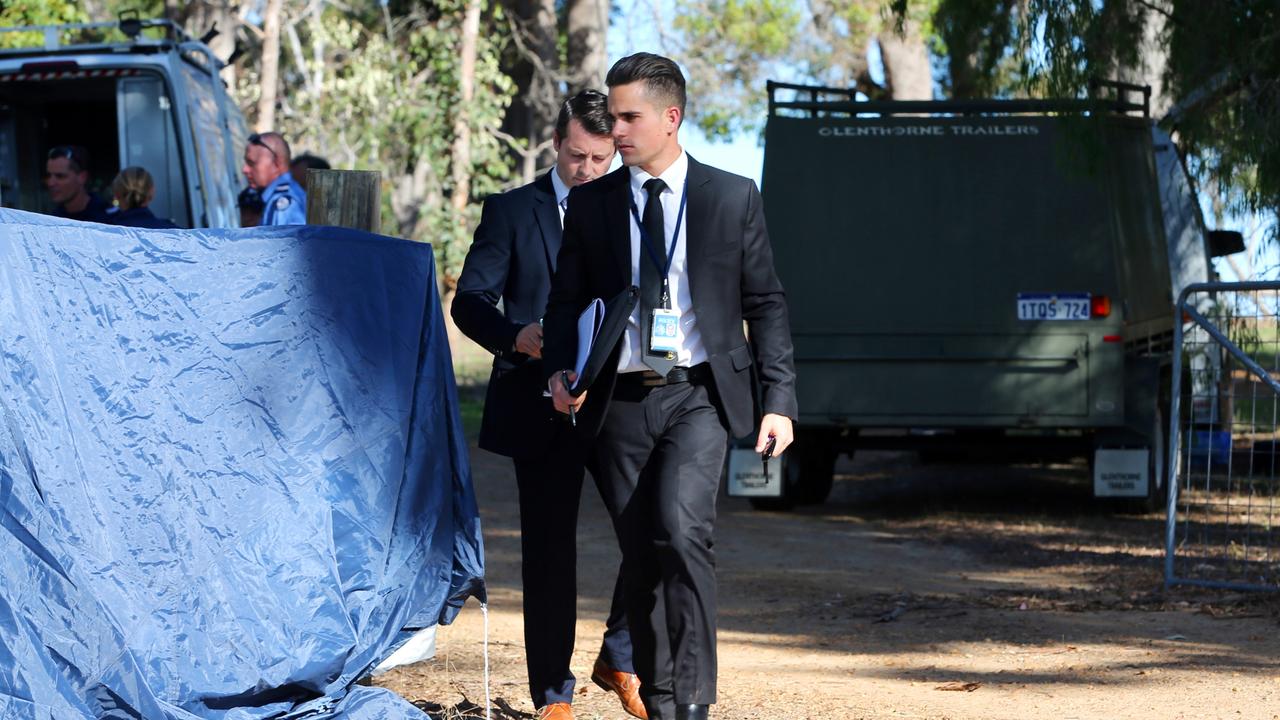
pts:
pixel 688 338
pixel 562 194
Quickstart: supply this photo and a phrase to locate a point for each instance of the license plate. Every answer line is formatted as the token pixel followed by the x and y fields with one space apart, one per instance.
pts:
pixel 1053 307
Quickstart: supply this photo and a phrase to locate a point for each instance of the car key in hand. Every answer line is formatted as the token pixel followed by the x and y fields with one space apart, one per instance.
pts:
pixel 768 453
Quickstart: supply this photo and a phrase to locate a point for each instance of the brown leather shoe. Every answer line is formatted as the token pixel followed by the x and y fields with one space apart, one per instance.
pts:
pixel 556 711
pixel 625 684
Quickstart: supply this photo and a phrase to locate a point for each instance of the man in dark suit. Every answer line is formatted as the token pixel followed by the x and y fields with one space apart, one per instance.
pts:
pixel 512 259
pixel 680 380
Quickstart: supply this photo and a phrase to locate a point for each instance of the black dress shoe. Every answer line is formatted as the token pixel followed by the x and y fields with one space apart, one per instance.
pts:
pixel 692 712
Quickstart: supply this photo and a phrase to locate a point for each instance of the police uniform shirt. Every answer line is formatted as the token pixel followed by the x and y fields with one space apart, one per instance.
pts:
pixel 285 202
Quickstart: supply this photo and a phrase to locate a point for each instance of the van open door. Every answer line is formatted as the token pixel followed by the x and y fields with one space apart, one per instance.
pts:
pixel 122 116
pixel 148 139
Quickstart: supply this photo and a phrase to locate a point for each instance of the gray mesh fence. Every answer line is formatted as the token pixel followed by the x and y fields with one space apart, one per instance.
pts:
pixel 1224 500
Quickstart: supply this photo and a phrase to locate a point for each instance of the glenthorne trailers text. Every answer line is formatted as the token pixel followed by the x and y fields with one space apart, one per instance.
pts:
pixel 926 130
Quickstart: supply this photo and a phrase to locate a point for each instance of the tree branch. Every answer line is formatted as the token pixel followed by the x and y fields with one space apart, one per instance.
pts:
pixel 1151 6
pixel 1218 88
pixel 516 146
pixel 295 48
pixel 539 67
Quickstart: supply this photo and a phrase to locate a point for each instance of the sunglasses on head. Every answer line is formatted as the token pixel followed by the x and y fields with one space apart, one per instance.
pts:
pixel 68 152
pixel 256 139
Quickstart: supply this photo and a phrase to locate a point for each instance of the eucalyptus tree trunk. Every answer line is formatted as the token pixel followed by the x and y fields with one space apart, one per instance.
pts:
pixel 906 62
pixel 588 29
pixel 270 80
pixel 460 160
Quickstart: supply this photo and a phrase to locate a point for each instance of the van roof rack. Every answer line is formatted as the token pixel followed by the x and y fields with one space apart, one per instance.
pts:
pixel 844 101
pixel 128 24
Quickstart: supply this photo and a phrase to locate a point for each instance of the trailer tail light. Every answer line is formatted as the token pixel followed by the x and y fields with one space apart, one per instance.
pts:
pixel 1099 306
pixel 1112 338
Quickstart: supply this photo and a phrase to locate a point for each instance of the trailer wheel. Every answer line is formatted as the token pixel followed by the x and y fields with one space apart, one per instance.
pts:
pixel 1158 489
pixel 1157 438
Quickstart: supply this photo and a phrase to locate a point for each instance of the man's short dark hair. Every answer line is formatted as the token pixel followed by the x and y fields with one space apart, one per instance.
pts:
pixel 77 155
pixel 311 162
pixel 589 107
pixel 662 77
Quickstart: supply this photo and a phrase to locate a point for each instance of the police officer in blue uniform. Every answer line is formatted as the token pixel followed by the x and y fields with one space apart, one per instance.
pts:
pixel 266 167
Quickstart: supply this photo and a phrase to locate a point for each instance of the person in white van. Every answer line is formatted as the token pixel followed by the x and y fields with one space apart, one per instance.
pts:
pixel 66 176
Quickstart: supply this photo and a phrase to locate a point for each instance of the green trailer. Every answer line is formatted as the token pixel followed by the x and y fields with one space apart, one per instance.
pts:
pixel 996 272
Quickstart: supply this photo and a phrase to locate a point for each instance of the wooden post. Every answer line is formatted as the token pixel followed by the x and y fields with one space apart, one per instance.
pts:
pixel 345 198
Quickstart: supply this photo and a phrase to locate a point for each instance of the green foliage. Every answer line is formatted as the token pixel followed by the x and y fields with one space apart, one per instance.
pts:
pixel 386 97
pixel 840 33
pixel 1229 58
pixel 975 38
pixel 759 28
pixel 1222 69
pixel 732 46
pixel 17 13
pixel 1219 62
pixel 1065 43
pixel 147 9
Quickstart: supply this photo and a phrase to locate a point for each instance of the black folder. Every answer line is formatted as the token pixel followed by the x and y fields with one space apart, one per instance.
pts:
pixel 616 311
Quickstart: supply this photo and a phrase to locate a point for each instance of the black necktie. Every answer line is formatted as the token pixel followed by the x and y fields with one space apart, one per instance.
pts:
pixel 651 274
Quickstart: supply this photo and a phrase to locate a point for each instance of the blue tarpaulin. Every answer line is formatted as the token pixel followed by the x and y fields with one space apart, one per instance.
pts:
pixel 232 470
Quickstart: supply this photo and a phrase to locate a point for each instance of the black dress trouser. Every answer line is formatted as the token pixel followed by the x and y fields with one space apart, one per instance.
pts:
pixel 660 455
pixel 550 489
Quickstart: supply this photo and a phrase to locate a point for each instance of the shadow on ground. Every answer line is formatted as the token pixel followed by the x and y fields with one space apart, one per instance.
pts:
pixel 1000 576
pixel 946 546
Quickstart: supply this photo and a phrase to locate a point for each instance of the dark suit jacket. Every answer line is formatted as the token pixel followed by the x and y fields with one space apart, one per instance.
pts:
pixel 139 217
pixel 731 279
pixel 512 258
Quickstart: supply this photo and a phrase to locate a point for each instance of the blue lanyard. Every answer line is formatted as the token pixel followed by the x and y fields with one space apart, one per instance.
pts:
pixel 644 236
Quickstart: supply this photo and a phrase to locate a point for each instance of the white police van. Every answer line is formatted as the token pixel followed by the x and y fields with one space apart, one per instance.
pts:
pixel 133 92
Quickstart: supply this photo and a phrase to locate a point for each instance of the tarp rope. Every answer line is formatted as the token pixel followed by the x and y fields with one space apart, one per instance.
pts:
pixel 488 703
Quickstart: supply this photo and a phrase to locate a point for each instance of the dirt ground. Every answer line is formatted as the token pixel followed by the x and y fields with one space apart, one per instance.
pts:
pixel 917 591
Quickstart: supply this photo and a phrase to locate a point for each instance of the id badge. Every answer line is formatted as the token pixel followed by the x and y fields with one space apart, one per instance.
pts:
pixel 662 330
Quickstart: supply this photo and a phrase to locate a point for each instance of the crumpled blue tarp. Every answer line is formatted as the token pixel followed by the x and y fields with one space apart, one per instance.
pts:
pixel 232 471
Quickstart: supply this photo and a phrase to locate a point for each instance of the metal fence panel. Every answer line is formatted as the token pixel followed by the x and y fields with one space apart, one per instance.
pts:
pixel 1224 509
